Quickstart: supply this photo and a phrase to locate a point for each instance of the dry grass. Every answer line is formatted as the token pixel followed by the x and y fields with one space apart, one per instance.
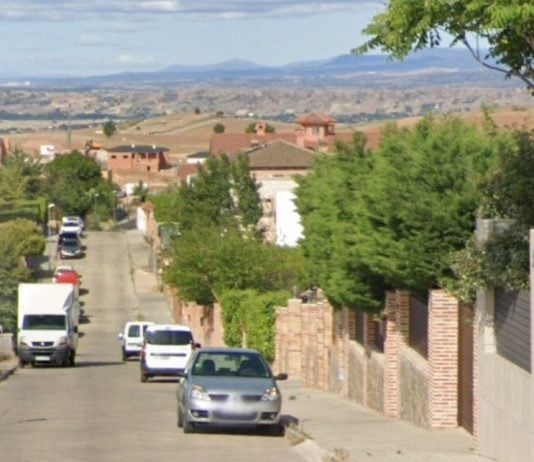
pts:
pixel 188 133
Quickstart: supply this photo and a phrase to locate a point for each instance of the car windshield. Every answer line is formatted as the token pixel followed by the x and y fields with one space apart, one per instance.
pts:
pixel 169 337
pixel 70 242
pixel 230 364
pixel 43 322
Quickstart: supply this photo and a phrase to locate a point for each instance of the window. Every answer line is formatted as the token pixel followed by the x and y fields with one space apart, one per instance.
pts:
pixel 169 337
pixel 44 322
pixel 134 331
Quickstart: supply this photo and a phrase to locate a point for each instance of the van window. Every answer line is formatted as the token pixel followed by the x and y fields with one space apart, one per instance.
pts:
pixel 169 337
pixel 134 331
pixel 44 322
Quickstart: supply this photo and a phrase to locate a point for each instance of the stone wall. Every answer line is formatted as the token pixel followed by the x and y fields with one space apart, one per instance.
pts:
pixel 205 321
pixel 6 345
pixel 316 343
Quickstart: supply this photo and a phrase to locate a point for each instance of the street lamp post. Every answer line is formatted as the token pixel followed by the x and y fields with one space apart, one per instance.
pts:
pixel 50 207
pixel 95 212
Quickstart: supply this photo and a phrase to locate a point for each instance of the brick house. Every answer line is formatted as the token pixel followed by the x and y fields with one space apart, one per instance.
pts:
pixel 138 158
pixel 315 131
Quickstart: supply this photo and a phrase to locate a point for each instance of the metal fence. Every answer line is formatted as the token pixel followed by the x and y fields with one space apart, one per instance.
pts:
pixel 419 324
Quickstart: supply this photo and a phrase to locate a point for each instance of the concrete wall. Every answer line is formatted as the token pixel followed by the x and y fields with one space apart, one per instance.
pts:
pixel 504 395
pixel 6 345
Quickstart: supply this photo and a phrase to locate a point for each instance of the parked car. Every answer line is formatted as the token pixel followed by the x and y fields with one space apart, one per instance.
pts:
pixel 73 225
pixel 70 248
pixel 63 269
pixel 166 350
pixel 73 220
pixel 132 338
pixel 229 386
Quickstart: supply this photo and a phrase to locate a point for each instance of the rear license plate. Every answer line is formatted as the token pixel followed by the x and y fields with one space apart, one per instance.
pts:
pixel 42 358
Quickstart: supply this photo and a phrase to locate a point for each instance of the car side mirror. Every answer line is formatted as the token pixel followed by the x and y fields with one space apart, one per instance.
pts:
pixel 120 335
pixel 281 376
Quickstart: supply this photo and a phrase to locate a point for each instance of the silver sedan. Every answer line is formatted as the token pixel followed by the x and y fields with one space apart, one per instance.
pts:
pixel 229 386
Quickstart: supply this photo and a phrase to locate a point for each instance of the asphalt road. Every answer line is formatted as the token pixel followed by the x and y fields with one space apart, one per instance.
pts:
pixel 99 410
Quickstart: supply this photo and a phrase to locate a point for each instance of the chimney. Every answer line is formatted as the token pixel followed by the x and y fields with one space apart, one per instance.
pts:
pixel 261 128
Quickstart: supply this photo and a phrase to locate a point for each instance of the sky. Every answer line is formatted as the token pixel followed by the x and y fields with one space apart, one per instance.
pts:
pixel 97 37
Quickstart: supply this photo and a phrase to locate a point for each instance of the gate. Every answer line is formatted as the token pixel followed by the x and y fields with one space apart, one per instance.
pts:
pixel 465 368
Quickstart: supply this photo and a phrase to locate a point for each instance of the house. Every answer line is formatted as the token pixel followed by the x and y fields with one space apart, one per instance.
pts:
pixel 197 157
pixel 315 131
pixel 138 158
pixel 274 166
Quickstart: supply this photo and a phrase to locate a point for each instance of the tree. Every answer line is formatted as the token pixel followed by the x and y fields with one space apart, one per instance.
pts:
pixel 109 128
pixel 217 246
pixel 19 177
pixel 251 128
pixel 70 179
pixel 506 25
pixel 219 128
pixel 18 239
pixel 393 218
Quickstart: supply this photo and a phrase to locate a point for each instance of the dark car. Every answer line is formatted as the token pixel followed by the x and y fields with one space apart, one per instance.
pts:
pixel 70 248
pixel 229 387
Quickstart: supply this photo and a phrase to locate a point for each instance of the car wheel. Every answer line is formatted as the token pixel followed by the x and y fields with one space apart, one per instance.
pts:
pixel 276 430
pixel 188 427
pixel 180 418
pixel 72 359
pixel 124 355
pixel 22 364
pixel 144 377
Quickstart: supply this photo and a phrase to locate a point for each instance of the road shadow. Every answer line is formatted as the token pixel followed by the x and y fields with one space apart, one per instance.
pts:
pixel 97 363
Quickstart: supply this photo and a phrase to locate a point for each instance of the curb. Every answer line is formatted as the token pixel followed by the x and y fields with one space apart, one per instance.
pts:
pixel 7 369
pixel 309 450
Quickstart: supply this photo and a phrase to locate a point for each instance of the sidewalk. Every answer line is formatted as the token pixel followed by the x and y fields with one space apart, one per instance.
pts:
pixel 340 430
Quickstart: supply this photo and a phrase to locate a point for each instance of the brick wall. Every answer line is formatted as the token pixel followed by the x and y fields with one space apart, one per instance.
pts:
pixel 315 343
pixel 443 360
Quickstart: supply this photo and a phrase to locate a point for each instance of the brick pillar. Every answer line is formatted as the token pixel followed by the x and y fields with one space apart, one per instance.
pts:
pixel 443 360
pixel 397 331
pixel 294 340
pixel 280 360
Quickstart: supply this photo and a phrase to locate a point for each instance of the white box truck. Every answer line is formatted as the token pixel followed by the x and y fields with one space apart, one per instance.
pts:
pixel 47 324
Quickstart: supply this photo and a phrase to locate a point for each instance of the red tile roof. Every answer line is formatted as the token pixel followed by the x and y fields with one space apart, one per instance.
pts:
pixel 315 118
pixel 280 154
pixel 233 143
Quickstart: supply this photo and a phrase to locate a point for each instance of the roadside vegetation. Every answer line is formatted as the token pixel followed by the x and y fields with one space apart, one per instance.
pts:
pixel 30 195
pixel 217 252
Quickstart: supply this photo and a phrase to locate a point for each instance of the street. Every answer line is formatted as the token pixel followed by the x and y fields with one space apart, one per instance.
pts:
pixel 99 410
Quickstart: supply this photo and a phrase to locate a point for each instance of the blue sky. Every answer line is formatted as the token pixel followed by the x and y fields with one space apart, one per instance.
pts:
pixel 93 37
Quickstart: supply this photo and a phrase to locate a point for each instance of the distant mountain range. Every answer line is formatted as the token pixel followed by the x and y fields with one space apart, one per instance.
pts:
pixel 431 66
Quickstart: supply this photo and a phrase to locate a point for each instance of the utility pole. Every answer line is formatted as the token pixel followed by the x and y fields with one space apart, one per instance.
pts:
pixel 69 132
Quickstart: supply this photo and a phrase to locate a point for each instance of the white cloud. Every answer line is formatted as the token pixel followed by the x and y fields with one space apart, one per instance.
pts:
pixel 92 40
pixel 57 10
pixel 130 59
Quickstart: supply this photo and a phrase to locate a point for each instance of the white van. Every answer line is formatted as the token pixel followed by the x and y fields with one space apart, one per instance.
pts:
pixel 166 350
pixel 48 316
pixel 132 338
